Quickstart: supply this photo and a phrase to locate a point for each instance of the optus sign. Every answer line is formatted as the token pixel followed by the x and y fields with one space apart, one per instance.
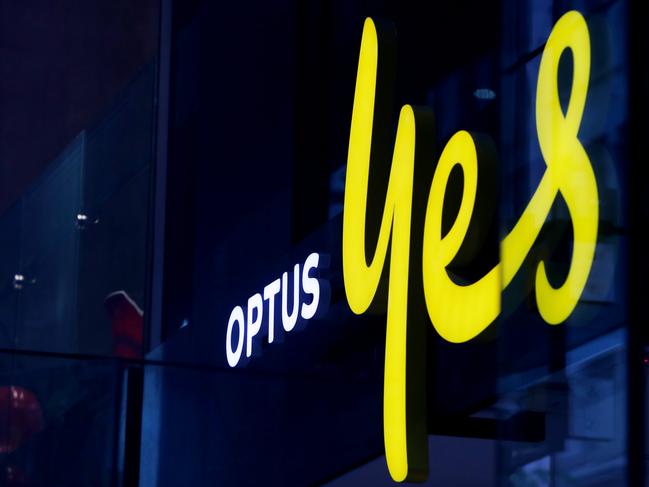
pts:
pixel 407 220
pixel 300 302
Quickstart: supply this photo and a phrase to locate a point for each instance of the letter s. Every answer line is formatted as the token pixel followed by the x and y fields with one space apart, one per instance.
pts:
pixel 310 285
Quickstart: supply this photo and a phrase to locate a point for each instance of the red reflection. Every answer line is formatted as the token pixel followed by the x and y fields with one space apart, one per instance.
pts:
pixel 21 417
pixel 126 324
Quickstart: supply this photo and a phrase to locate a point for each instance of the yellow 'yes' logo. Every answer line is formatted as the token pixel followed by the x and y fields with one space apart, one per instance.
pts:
pixel 421 252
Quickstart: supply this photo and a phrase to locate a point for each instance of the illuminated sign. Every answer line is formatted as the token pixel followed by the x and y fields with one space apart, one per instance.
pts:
pixel 420 252
pixel 252 324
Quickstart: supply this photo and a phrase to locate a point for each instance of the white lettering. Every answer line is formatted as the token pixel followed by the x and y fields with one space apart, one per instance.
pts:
pixel 270 292
pixel 233 356
pixel 253 323
pixel 290 320
pixel 307 290
pixel 311 286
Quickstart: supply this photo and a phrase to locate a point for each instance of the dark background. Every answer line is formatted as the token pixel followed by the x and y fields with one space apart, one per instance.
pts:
pixel 246 132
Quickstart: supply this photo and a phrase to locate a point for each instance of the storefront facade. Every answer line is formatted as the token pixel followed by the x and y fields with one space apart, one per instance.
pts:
pixel 327 243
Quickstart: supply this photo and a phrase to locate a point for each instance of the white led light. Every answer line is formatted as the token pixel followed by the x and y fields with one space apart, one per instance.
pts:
pixel 270 292
pixel 300 302
pixel 255 314
pixel 233 356
pixel 290 320
pixel 311 286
